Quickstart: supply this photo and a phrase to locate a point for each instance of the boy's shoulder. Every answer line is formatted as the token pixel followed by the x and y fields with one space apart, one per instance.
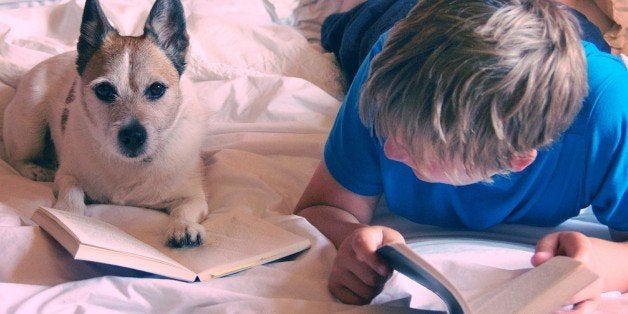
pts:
pixel 604 107
pixel 603 67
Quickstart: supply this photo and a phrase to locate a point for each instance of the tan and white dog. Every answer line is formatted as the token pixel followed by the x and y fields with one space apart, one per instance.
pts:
pixel 121 121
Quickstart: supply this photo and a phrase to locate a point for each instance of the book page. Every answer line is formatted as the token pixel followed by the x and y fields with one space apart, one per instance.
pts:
pixel 105 237
pixel 541 289
pixel 236 241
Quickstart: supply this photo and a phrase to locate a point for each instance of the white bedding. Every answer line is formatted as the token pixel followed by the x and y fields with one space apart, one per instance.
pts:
pixel 273 94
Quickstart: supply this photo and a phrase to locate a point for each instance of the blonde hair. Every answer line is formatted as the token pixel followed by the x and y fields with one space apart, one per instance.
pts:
pixel 477 81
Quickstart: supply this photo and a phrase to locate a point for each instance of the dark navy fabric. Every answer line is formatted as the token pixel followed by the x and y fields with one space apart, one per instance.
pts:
pixel 350 35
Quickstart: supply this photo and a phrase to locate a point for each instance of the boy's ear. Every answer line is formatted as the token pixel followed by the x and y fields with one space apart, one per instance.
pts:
pixel 521 161
pixel 165 26
pixel 396 152
pixel 94 28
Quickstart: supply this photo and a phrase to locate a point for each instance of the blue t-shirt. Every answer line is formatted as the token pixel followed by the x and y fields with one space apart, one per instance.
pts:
pixel 588 165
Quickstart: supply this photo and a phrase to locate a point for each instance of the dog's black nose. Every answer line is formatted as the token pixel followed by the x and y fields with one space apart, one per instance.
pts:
pixel 132 138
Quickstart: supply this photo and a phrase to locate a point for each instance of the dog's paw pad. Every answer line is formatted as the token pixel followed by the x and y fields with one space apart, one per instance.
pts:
pixel 183 234
pixel 186 241
pixel 37 173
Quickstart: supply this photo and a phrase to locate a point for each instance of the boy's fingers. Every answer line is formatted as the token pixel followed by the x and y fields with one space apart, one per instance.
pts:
pixel 344 294
pixel 540 257
pixel 359 274
pixel 545 249
pixel 588 297
pixel 364 246
pixel 353 288
pixel 391 236
pixel 588 306
pixel 548 243
pixel 348 296
pixel 573 244
pixel 365 273
pixel 354 284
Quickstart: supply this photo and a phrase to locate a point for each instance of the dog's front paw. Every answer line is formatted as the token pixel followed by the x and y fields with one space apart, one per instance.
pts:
pixel 185 234
pixel 36 173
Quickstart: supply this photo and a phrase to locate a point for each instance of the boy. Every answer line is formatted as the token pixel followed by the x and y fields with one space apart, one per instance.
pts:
pixel 469 114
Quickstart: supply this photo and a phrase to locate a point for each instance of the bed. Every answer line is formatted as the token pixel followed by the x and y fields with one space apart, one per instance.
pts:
pixel 273 93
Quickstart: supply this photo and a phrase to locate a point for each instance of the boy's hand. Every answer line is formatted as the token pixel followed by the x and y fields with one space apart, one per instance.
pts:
pixel 581 248
pixel 358 274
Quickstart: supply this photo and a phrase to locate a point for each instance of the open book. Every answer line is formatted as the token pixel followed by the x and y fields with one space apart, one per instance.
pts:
pixel 234 242
pixel 542 289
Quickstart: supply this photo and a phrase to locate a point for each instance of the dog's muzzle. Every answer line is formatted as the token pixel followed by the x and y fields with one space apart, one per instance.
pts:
pixel 132 139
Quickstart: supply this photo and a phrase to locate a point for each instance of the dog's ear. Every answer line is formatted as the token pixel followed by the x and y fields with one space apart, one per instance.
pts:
pixel 166 27
pixel 94 29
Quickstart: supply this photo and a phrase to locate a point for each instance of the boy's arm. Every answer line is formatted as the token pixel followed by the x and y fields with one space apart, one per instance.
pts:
pixel 333 209
pixel 357 274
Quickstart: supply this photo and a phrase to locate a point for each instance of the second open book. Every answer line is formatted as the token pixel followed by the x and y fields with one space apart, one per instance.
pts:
pixel 234 242
pixel 542 289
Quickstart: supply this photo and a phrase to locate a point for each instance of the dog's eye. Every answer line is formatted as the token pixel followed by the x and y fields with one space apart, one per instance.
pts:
pixel 105 92
pixel 155 91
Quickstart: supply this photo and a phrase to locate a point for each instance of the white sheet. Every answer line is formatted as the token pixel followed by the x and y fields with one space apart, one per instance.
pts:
pixel 273 93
